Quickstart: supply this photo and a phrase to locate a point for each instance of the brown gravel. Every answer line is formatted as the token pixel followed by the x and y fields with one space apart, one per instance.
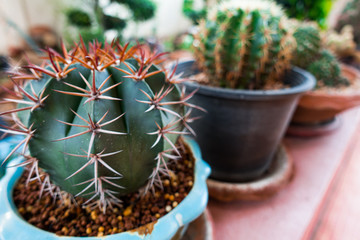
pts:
pixel 202 79
pixel 63 219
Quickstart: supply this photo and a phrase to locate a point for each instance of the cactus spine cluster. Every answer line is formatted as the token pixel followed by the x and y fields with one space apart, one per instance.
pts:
pixel 244 44
pixel 100 121
pixel 313 57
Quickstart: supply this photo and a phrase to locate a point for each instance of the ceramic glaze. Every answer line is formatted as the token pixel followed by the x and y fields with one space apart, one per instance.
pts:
pixel 13 227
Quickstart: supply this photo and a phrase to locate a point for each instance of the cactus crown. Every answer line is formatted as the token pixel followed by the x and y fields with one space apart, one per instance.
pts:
pixel 312 56
pixel 244 44
pixel 100 121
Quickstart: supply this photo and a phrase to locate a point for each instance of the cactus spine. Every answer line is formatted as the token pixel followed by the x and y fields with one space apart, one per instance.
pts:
pixel 100 121
pixel 244 45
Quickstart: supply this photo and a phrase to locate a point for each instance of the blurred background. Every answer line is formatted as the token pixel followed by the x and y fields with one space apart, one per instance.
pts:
pixel 27 26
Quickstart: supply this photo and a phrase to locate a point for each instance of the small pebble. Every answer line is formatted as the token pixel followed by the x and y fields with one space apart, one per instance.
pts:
pixel 168 208
pixel 190 183
pixel 166 182
pixel 65 230
pixel 127 211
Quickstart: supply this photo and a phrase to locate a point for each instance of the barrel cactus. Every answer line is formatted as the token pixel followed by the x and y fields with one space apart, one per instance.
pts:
pixel 308 45
pixel 244 44
pixel 311 55
pixel 327 70
pixel 99 122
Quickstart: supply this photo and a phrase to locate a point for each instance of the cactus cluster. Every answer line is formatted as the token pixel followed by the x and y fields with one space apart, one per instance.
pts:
pixel 341 43
pixel 311 55
pixel 98 121
pixel 351 16
pixel 244 44
pixel 327 70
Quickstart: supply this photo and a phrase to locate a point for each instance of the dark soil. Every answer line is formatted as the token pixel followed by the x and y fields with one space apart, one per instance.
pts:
pixel 72 220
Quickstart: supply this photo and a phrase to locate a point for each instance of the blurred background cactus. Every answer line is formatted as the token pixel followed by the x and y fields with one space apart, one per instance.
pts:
pixel 315 10
pixel 311 55
pixel 351 16
pixel 244 44
pixel 195 15
pixel 99 122
pixel 341 43
pixel 95 21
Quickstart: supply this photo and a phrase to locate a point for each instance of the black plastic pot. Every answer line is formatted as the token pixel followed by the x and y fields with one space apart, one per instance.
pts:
pixel 242 129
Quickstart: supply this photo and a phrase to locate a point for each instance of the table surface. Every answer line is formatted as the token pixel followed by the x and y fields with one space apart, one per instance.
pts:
pixel 296 211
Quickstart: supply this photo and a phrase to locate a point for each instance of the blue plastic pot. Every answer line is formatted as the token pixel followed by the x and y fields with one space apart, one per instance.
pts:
pixel 170 226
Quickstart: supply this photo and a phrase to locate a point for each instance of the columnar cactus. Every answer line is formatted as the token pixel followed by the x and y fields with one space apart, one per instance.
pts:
pixel 99 122
pixel 244 44
pixel 311 55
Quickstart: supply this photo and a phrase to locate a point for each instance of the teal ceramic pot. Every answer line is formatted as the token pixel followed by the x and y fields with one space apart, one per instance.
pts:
pixel 5 147
pixel 170 226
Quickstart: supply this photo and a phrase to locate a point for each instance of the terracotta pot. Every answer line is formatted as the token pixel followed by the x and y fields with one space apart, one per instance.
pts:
pixel 320 106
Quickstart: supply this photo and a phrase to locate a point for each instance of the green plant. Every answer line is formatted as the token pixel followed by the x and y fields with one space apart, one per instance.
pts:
pixel 193 14
pixel 308 46
pixel 245 46
pixel 341 43
pixel 94 23
pixel 311 55
pixel 78 18
pixel 315 10
pixel 351 16
pixel 100 121
pixel 327 71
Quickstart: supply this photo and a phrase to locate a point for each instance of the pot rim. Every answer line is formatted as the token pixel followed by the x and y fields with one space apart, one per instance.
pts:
pixel 228 93
pixel 164 228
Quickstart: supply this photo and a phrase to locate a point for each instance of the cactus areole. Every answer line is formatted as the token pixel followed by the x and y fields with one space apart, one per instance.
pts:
pixel 99 121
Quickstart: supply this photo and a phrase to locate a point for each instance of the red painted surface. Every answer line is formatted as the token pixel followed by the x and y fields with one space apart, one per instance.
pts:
pixel 294 213
pixel 339 214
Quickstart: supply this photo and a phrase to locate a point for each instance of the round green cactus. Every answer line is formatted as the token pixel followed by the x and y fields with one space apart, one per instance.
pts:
pixel 327 70
pixel 244 44
pixel 99 122
pixel 311 55
pixel 308 45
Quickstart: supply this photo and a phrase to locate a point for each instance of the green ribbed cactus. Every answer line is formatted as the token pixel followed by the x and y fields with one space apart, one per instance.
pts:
pixel 308 45
pixel 244 44
pixel 327 70
pixel 311 56
pixel 100 122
